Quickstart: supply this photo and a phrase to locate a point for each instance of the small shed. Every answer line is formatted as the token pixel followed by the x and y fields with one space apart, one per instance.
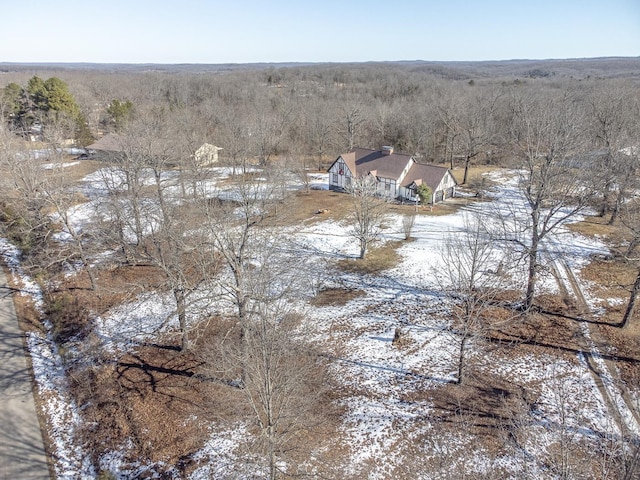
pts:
pixel 207 154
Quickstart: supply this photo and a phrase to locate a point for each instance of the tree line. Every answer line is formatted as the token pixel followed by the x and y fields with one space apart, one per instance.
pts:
pixel 318 112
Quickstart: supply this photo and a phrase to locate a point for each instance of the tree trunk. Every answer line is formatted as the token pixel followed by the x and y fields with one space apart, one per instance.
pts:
pixel 241 305
pixel 467 162
pixel 461 357
pixel 272 462
pixel 531 278
pixel 616 207
pixel 632 303
pixel 87 268
pixel 363 249
pixel 178 294
pixel 81 253
pixel 606 199
pixel 134 198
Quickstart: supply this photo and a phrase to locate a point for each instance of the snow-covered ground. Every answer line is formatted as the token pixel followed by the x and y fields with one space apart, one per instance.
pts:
pixel 379 424
pixel 63 419
pixel 410 296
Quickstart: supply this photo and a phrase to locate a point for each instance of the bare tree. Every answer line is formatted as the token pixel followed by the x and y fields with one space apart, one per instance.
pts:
pixel 609 111
pixel 408 221
pixel 114 210
pixel 61 197
pixel 180 250
pixel 58 129
pixel 264 353
pixel 154 220
pixel 564 458
pixel 176 244
pixel 469 120
pixel 282 382
pixel 232 133
pixel 24 193
pixel 39 201
pixel 353 121
pixel 296 165
pixel 269 126
pixel 631 303
pixel 63 200
pixel 448 133
pixel 476 126
pixel 239 221
pixel 474 281
pixel 319 130
pixel 546 133
pixel 129 176
pixel 187 131
pixel 367 213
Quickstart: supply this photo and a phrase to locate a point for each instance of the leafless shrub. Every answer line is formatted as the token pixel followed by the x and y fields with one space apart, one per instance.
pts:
pixel 408 222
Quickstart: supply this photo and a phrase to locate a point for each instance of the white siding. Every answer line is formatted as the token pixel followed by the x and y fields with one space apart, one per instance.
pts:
pixel 447 185
pixel 447 182
pixel 405 171
pixel 339 175
pixel 387 187
pixel 407 194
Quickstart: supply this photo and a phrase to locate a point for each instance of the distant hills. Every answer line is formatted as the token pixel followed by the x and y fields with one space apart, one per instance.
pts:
pixel 606 67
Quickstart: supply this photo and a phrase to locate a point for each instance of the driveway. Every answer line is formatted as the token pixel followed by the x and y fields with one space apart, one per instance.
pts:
pixel 22 454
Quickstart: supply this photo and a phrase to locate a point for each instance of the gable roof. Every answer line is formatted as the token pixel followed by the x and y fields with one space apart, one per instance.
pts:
pixel 385 165
pixel 350 161
pixel 111 142
pixel 381 163
pixel 430 175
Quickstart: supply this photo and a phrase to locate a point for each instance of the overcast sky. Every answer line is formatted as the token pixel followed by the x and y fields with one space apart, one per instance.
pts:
pixel 241 31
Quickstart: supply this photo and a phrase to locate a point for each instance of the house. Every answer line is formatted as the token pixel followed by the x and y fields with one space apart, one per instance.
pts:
pixel 398 175
pixel 113 144
pixel 206 155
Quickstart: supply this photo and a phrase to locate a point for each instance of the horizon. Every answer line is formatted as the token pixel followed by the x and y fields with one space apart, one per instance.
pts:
pixel 198 32
pixel 302 62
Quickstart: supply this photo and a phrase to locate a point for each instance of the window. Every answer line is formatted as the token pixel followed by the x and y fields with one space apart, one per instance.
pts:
pixel 335 178
pixel 389 185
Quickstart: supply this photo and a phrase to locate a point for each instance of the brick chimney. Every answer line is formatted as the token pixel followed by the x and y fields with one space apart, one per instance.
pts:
pixel 387 150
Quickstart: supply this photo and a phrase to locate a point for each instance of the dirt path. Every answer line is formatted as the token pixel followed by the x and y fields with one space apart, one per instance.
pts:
pixel 603 369
pixel 22 453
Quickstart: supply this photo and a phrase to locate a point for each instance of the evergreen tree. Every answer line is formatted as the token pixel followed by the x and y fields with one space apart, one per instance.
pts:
pixel 36 94
pixel 58 98
pixel 424 194
pixel 49 101
pixel 11 99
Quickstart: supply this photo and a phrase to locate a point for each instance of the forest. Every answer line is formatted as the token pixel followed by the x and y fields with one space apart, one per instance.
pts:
pixel 237 319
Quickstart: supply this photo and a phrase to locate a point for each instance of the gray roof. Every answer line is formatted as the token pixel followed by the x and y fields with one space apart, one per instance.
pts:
pixel 112 142
pixel 362 161
pixel 385 165
pixel 427 174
